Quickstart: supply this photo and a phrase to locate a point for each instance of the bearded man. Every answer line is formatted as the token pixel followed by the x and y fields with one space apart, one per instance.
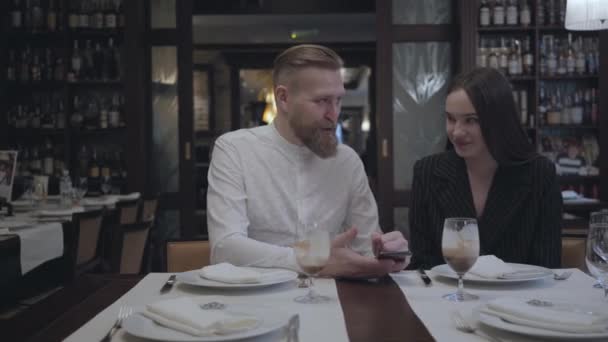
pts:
pixel 266 181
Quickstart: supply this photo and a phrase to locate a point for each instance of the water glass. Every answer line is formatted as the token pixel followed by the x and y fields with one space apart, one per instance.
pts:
pixel 596 252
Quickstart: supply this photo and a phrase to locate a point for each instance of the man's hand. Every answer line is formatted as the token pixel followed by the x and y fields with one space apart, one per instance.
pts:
pixel 391 242
pixel 344 262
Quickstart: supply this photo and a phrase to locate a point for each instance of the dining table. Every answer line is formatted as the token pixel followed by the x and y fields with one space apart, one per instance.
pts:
pixel 399 307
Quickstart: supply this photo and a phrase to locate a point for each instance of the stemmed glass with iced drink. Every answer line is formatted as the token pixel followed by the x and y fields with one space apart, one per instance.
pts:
pixel 312 250
pixel 460 247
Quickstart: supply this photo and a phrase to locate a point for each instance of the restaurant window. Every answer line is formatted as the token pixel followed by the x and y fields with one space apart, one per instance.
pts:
pixel 162 14
pixel 413 12
pixel 421 72
pixel 165 164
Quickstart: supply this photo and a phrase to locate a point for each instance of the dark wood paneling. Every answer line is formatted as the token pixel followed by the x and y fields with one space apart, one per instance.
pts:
pixel 467 19
pixel 384 111
pixel 282 6
pixel 187 186
pixel 136 83
pixel 603 108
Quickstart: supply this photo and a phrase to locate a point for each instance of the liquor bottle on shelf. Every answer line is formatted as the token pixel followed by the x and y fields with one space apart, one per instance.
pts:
pixel 103 114
pixel 493 56
pixel 498 14
pixel 528 58
pixel 75 73
pixel 16 15
pixel 594 108
pixel 570 57
pixel 551 58
pixel 83 15
pixel 35 162
pixel 83 162
pixel 94 166
pixel 525 16
pixel 59 70
pixel 484 14
pixel 523 106
pixel 88 66
pixel 24 69
pixel 561 50
pixel 515 62
pixel 561 15
pixel 551 9
pixel 482 53
pixel 580 57
pixel 512 13
pixel 110 16
pixel 540 13
pixel 77 118
pixel 98 56
pixel 51 17
pixel 111 62
pixel 114 112
pixel 60 116
pixel 35 69
pixel 97 16
pixel 38 19
pixel 503 57
pixel 48 159
pixel 11 68
pixel 576 112
pixel 92 115
pixel 48 72
pixel 73 17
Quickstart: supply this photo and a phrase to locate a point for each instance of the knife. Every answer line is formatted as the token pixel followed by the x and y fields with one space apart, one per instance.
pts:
pixel 425 278
pixel 168 285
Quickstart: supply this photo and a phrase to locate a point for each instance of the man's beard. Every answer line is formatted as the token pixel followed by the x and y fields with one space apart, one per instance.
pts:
pixel 316 138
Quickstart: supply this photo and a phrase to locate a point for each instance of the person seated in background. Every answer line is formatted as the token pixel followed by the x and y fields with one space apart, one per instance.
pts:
pixel 492 174
pixel 265 181
pixel 571 161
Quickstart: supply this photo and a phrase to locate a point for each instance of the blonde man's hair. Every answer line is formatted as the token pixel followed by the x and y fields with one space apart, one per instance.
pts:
pixel 304 56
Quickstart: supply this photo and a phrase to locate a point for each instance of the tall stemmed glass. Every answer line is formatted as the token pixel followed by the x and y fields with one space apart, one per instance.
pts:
pixel 460 247
pixel 312 251
pixel 596 253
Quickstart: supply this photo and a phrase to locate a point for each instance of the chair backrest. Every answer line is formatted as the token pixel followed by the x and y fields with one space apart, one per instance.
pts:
pixel 86 241
pixel 573 252
pixel 148 209
pixel 186 255
pixel 128 245
pixel 127 211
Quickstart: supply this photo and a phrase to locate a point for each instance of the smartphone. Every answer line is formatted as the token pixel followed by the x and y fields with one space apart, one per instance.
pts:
pixel 397 256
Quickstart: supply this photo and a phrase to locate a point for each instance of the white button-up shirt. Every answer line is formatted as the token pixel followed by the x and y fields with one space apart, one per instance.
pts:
pixel 261 187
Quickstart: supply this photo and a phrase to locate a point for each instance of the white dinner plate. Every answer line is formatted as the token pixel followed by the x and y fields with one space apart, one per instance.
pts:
pixel 537 273
pixel 499 323
pixel 272 319
pixel 194 278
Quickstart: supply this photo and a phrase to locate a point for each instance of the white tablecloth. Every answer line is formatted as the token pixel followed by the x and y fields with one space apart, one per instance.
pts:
pixel 40 242
pixel 318 322
pixel 434 311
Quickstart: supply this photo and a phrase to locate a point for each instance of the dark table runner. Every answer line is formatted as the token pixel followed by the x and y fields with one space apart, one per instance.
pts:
pixel 373 311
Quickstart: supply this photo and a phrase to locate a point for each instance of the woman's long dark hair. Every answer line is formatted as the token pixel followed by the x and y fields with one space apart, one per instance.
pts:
pixel 492 97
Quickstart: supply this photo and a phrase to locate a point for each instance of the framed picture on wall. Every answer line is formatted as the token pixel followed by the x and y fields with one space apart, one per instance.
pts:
pixel 8 163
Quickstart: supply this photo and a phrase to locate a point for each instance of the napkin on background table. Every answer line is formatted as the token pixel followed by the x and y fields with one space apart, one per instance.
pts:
pixel 60 212
pixel 557 317
pixel 228 273
pixel 489 266
pixel 186 315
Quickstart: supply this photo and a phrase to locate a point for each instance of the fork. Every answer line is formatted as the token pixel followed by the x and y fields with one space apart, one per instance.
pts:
pixel 464 326
pixel 123 313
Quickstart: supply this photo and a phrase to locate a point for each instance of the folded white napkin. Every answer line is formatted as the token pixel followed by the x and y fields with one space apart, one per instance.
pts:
pixel 127 197
pixel 559 317
pixel 60 212
pixel 101 201
pixel 228 273
pixel 186 315
pixel 489 266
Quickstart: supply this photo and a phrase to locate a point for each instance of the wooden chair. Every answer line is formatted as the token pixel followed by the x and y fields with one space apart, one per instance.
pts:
pixel 85 239
pixel 186 255
pixel 127 247
pixel 125 212
pixel 147 213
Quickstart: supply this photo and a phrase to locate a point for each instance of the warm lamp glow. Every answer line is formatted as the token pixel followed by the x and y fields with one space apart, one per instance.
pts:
pixel 271 108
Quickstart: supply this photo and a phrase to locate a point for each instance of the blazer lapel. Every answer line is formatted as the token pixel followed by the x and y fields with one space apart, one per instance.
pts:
pixel 510 187
pixel 450 187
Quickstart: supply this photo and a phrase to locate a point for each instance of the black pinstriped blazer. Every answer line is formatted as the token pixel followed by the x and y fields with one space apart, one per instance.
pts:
pixel 520 222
